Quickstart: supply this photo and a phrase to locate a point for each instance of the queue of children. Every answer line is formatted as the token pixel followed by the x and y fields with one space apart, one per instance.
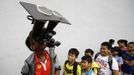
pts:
pixel 110 60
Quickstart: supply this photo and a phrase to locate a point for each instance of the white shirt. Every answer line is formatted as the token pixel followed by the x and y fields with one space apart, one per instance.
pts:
pixel 104 66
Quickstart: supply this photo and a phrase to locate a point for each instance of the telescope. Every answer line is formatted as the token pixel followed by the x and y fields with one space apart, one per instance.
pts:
pixel 41 16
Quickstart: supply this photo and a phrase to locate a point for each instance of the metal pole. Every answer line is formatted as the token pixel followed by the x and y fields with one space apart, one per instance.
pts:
pixel 51 50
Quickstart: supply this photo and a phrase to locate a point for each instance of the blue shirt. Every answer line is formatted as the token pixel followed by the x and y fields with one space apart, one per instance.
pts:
pixel 90 72
pixel 125 67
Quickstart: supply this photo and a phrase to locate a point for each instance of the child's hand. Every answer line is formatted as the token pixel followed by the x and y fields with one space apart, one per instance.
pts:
pixel 130 63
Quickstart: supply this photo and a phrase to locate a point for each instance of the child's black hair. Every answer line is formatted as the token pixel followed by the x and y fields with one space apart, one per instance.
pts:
pixel 89 51
pixel 109 46
pixel 122 41
pixel 74 51
pixel 111 41
pixel 87 58
pixel 116 49
pixel 131 42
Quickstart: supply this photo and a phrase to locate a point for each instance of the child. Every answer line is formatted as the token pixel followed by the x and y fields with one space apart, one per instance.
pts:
pixel 86 63
pixel 71 67
pixel 128 58
pixel 95 66
pixel 108 64
pixel 122 43
pixel 115 54
pixel 89 52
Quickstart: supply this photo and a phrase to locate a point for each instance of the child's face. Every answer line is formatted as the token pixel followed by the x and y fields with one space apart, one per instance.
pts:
pixel 115 52
pixel 121 44
pixel 104 50
pixel 85 65
pixel 71 57
pixel 130 47
pixel 37 46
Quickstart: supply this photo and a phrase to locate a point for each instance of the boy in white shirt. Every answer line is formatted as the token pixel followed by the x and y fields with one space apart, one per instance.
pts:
pixel 102 60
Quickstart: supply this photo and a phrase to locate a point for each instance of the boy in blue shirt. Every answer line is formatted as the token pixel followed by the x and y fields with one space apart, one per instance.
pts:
pixel 86 65
pixel 95 66
pixel 128 58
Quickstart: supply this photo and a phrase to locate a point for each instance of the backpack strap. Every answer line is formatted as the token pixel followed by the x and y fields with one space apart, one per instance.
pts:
pixel 66 69
pixel 96 55
pixel 66 62
pixel 75 68
pixel 110 61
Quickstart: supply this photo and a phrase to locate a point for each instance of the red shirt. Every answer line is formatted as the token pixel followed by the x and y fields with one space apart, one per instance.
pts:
pixel 39 69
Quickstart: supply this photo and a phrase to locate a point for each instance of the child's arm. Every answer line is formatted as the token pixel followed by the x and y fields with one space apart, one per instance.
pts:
pixel 130 63
pixel 120 62
pixel 115 72
pixel 115 67
pixel 95 70
pixel 25 69
pixel 95 67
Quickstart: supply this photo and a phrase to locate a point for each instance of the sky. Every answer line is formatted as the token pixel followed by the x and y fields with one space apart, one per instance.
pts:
pixel 93 21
